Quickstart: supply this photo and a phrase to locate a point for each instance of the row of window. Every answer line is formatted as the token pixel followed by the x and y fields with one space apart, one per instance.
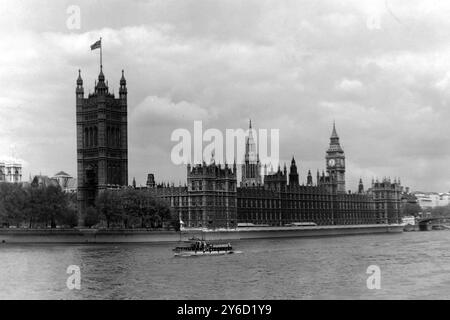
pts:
pixel 268 203
pixel 113 137
pixel 9 172
pixel 320 219
pixel 250 171
pixel 197 185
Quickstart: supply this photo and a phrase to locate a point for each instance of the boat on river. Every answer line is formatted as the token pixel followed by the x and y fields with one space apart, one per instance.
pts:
pixel 199 247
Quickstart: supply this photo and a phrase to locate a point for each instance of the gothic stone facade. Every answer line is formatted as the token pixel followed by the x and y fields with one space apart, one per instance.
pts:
pixel 212 196
pixel 207 201
pixel 212 199
pixel 102 157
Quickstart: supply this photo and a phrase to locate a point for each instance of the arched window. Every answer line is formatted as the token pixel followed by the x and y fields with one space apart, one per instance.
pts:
pixel 115 174
pixel 86 137
pixel 113 137
pixel 95 136
pixel 91 137
pixel 107 136
pixel 108 179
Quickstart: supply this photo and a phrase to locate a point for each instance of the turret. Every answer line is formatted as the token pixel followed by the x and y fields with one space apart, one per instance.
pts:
pixel 150 180
pixel 80 89
pixel 309 179
pixel 293 174
pixel 360 186
pixel 123 86
pixel 251 168
pixel 101 87
pixel 335 162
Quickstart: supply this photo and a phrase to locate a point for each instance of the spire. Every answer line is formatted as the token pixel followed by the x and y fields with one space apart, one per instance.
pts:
pixel 79 90
pixel 334 133
pixel 213 160
pixel 251 154
pixel 250 131
pixel 309 179
pixel 123 86
pixel 334 141
pixel 79 80
pixel 360 186
pixel 293 174
pixel 122 80
pixel 101 87
pixel 101 76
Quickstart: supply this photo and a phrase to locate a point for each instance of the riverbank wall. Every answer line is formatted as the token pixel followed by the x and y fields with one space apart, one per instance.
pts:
pixel 144 236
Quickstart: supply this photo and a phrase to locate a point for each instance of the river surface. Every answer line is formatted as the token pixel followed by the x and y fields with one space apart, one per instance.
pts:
pixel 413 265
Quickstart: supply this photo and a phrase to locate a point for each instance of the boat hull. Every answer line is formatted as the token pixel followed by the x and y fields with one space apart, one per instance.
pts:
pixel 201 253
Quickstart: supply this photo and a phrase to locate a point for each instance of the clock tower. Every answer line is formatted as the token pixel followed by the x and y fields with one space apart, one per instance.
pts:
pixel 335 162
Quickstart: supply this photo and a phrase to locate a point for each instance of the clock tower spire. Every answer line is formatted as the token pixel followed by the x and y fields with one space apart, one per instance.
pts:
pixel 335 162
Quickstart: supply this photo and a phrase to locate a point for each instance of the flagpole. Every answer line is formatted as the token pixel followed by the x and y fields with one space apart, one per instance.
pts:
pixel 101 62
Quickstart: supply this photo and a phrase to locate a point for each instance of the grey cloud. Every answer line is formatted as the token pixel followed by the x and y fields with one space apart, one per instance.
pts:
pixel 292 65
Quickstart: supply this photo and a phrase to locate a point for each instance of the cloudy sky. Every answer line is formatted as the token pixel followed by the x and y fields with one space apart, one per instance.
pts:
pixel 380 69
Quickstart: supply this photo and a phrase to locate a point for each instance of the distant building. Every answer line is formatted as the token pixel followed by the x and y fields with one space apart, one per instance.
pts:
pixel 444 199
pixel 43 181
pixel 427 200
pixel 66 182
pixel 430 200
pixel 10 172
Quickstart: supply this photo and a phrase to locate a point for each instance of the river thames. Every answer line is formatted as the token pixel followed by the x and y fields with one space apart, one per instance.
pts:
pixel 414 265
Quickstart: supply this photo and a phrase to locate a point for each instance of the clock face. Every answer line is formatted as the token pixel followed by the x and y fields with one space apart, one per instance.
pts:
pixel 331 162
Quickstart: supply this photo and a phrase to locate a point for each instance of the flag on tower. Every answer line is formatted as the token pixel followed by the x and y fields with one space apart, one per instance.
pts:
pixel 97 45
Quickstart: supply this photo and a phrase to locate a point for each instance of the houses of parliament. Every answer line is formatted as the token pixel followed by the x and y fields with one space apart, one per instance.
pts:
pixel 212 198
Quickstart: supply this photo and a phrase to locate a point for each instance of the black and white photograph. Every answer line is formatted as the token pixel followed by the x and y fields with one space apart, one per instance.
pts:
pixel 224 150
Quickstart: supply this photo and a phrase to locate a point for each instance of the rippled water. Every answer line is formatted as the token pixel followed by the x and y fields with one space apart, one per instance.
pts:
pixel 413 265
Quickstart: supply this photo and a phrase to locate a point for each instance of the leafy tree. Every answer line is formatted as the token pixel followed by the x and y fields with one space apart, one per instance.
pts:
pixel 411 209
pixel 12 203
pixel 57 204
pixel 441 211
pixel 108 207
pixel 92 217
pixel 130 206
pixel 69 218
pixel 164 212
pixel 45 206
